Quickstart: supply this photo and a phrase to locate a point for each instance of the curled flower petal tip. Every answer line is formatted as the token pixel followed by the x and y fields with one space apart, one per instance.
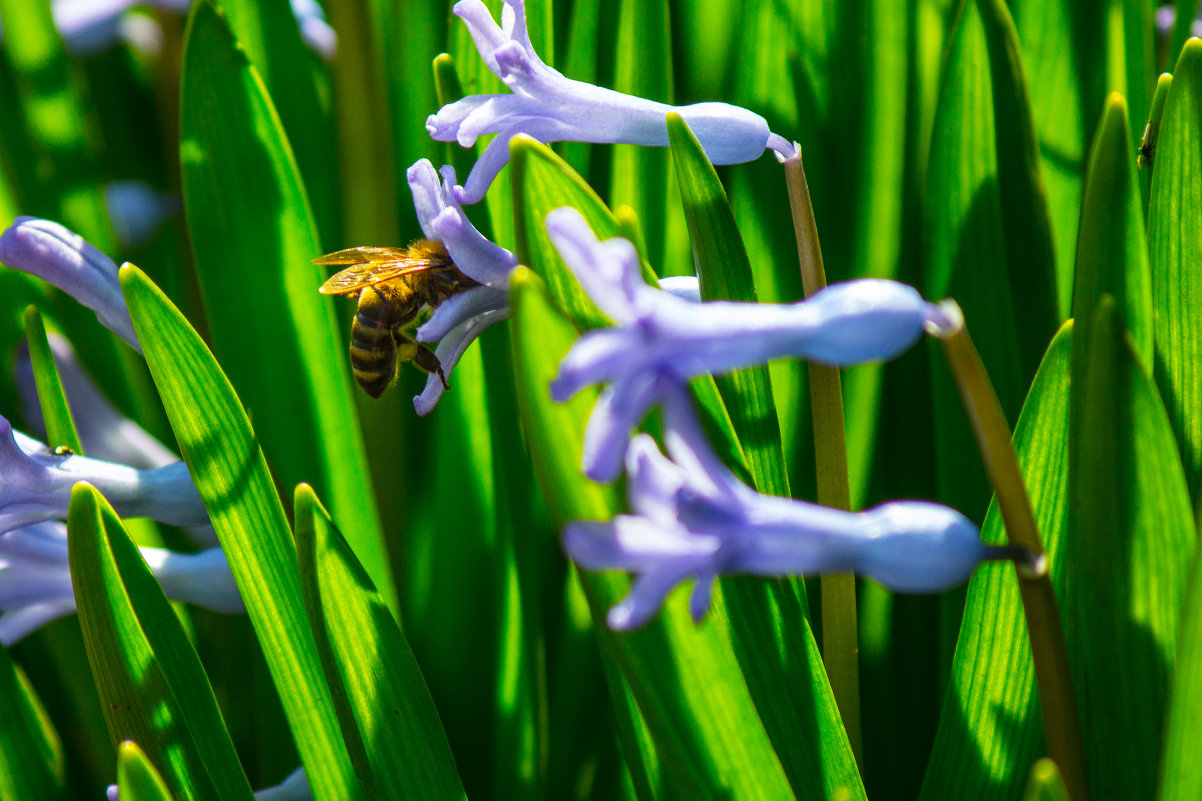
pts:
pixel 551 107
pixel 64 259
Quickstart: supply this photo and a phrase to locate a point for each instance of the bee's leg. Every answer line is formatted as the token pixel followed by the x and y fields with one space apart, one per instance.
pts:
pixel 412 351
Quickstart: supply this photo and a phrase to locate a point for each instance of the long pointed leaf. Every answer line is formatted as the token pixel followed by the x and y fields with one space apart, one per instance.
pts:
pixel 151 682
pixel 387 715
pixel 990 727
pixel 1130 547
pixel 231 475
pixel 1175 248
pixel 254 238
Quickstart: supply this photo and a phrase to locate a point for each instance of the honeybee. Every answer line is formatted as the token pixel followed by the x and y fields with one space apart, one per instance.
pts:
pixel 392 285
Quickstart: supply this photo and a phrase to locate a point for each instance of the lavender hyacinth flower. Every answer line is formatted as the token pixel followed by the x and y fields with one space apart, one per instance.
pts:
pixel 552 108
pixel 659 335
pixel 35 579
pixel 457 322
pixel 62 258
pixel 35 485
pixel 693 519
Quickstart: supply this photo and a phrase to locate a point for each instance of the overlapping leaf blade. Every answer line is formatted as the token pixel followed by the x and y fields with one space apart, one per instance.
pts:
pixel 987 244
pixel 724 273
pixel 137 778
pixel 151 682
pixel 990 727
pixel 1180 771
pixel 388 718
pixel 1175 250
pixel 1112 254
pixel 56 414
pixel 1130 547
pixel 231 475
pixel 31 756
pixel 294 78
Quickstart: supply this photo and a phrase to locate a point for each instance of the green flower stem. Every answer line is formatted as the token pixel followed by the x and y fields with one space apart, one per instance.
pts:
pixel 1061 728
pixel 840 646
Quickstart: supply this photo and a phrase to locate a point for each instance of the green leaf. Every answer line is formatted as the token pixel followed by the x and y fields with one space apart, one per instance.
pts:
pixel 231 475
pixel 990 729
pixel 683 677
pixel 254 238
pixel 1132 539
pixel 388 718
pixel 986 233
pixel 137 778
pixel 31 756
pixel 1151 132
pixel 1181 772
pixel 1175 250
pixel 724 273
pixel 543 182
pixel 641 177
pixel 294 78
pixel 1112 254
pixel 152 687
pixel 60 428
pixel 1045 783
pixel 1028 244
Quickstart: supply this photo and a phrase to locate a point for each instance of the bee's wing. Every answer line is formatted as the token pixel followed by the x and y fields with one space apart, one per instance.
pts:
pixel 357 276
pixel 361 255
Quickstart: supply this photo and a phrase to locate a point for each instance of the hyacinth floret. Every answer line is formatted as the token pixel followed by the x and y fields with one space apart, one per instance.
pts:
pixel 551 107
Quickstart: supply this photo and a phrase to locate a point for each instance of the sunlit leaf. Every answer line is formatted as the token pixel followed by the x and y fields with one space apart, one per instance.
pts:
pixel 254 238
pixel 224 459
pixel 152 686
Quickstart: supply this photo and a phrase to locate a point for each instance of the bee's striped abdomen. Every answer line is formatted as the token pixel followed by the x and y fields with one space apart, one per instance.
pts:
pixel 373 350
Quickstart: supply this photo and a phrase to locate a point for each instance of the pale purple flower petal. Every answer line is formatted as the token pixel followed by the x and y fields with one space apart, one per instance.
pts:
pixel 450 349
pixel 35 485
pixel 35 579
pixel 16 625
pixel 455 311
pixel 549 106
pixel 457 322
pixel 660 336
pixel 442 219
pixel 62 258
pixel 685 287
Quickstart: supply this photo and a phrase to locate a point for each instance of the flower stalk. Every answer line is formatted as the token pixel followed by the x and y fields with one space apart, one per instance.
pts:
pixel 1057 700
pixel 840 644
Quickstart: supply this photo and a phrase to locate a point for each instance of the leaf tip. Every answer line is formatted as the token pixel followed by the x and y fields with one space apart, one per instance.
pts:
pixel 1191 54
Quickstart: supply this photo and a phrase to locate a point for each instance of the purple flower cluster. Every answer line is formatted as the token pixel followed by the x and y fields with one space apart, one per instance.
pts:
pixel 691 518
